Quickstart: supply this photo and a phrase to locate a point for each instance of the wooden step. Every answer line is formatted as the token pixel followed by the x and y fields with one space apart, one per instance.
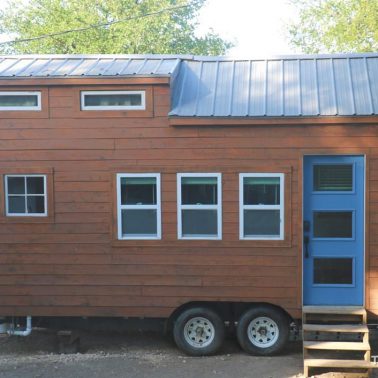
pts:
pixel 336 345
pixel 343 310
pixel 351 364
pixel 350 328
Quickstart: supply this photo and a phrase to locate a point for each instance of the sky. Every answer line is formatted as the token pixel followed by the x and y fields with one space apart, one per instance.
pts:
pixel 256 27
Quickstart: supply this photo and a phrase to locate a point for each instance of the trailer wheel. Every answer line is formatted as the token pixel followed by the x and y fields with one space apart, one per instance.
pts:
pixel 199 331
pixel 263 330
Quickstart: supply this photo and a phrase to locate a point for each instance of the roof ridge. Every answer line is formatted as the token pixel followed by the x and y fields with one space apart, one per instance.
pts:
pixel 96 56
pixel 189 57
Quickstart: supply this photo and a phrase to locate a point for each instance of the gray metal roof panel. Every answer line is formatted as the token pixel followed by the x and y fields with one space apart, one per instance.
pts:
pixel 309 88
pixel 240 88
pixel 310 85
pixel 223 93
pixel 166 66
pixel 344 99
pixel 361 90
pixel 274 95
pixel 372 68
pixel 86 65
pixel 326 88
pixel 295 85
pixel 291 93
pixel 258 88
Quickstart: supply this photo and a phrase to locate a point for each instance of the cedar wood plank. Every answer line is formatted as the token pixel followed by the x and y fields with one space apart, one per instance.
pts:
pixel 74 266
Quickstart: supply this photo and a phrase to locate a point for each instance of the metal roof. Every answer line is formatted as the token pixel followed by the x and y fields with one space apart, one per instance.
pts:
pixel 297 85
pixel 15 66
pixel 325 85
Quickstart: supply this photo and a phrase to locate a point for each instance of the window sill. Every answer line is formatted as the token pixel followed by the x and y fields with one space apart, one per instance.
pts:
pixel 26 219
pixel 199 238
pixel 140 238
pixel 263 239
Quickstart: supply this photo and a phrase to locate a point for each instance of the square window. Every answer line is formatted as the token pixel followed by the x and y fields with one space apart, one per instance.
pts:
pixel 139 214
pixel 25 195
pixel 261 206
pixel 199 206
pixel 16 205
pixel 35 204
pixel 16 185
pixel 35 185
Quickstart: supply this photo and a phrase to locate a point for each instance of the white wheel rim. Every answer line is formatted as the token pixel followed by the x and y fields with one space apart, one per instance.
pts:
pixel 263 332
pixel 199 332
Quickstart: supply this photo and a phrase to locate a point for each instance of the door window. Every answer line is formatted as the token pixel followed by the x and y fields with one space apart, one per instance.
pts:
pixel 333 271
pixel 333 224
pixel 333 178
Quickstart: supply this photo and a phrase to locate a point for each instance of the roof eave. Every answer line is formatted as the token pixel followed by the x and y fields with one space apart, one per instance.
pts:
pixel 272 121
pixel 83 80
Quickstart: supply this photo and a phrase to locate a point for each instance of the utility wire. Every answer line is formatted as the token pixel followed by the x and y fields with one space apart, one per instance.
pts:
pixel 43 36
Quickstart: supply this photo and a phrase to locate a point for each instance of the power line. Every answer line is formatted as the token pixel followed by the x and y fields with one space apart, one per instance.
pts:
pixel 43 36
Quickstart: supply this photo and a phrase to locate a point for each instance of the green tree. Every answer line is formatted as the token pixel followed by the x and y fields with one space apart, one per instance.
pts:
pixel 165 31
pixel 335 26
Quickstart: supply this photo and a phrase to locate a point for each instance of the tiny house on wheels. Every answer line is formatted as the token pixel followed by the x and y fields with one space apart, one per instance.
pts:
pixel 202 190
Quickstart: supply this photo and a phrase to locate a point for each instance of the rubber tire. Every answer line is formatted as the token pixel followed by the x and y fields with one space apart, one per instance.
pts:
pixel 184 317
pixel 278 316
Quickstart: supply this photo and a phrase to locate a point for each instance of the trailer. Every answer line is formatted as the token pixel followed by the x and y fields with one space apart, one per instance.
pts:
pixel 202 190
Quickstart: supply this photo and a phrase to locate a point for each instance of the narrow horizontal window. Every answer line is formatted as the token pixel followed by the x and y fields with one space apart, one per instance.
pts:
pixel 113 100
pixel 261 205
pixel 20 101
pixel 199 206
pixel 25 195
pixel 138 198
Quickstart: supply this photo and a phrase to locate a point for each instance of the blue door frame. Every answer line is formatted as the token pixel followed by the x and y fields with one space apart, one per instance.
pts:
pixel 333 230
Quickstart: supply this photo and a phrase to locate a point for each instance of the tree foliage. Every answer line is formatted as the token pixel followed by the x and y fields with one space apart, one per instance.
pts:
pixel 335 26
pixel 168 32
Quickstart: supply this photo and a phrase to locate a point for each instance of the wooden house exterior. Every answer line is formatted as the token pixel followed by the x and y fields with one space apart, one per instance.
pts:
pixel 277 125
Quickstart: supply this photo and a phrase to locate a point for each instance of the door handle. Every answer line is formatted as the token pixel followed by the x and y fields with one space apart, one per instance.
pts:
pixel 306 226
pixel 306 241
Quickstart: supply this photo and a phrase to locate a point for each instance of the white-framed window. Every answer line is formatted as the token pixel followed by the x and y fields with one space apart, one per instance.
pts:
pixel 199 205
pixel 113 100
pixel 261 206
pixel 24 101
pixel 25 195
pixel 138 206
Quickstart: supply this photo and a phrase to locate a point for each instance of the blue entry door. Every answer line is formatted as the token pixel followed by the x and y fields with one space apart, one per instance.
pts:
pixel 333 230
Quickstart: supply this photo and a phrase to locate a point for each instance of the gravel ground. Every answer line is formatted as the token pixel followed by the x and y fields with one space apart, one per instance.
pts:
pixel 137 355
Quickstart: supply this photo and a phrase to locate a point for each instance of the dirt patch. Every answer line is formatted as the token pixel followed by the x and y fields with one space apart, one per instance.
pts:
pixel 137 355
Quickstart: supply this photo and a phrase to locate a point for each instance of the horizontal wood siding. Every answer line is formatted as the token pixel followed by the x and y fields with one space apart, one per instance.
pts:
pixel 74 264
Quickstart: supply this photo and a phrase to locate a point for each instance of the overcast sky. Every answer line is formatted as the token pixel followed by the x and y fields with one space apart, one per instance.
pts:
pixel 255 26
